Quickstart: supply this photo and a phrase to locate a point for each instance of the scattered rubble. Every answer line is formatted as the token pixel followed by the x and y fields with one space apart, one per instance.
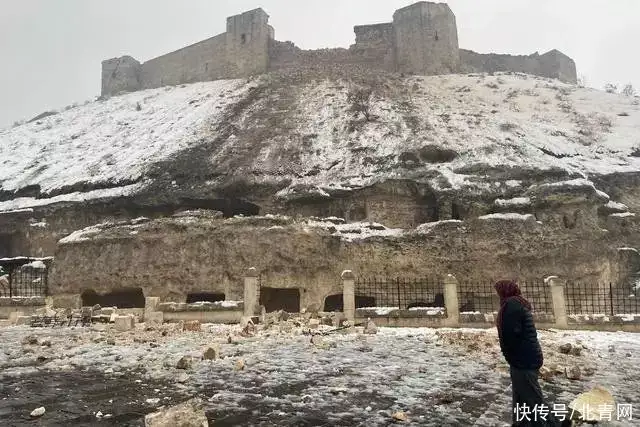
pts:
pixel 597 400
pixel 370 328
pixel 125 323
pixel 573 373
pixel 30 340
pixel 565 348
pixel 185 362
pixel 400 416
pixel 192 326
pixel 212 353
pixel 188 414
pixel 38 412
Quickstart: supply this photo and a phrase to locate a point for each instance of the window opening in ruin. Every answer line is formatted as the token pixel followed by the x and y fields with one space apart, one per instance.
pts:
pixel 121 298
pixel 204 297
pixel 206 67
pixel 437 36
pixel 333 303
pixel 243 38
pixel 364 302
pixel 275 299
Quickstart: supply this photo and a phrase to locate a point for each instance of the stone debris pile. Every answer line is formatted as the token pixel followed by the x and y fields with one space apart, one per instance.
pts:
pixel 188 414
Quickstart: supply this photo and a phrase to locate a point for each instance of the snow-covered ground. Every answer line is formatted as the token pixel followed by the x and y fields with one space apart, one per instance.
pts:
pixel 437 377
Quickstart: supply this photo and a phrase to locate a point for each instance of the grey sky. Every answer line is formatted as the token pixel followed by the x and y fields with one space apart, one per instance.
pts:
pixel 51 49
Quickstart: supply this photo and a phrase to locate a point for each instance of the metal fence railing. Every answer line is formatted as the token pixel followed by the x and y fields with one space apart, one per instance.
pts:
pixel 481 297
pixel 24 277
pixel 601 298
pixel 401 293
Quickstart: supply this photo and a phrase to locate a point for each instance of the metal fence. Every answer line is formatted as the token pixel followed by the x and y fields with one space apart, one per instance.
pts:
pixel 601 298
pixel 481 297
pixel 401 293
pixel 24 277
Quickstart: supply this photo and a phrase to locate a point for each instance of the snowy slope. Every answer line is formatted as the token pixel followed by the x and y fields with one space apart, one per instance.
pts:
pixel 495 121
pixel 446 131
pixel 111 141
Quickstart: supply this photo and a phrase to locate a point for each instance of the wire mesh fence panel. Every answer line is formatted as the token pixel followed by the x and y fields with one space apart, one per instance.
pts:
pixel 625 299
pixel 27 280
pixel 478 298
pixel 589 298
pixel 400 293
pixel 538 293
pixel 482 297
pixel 601 298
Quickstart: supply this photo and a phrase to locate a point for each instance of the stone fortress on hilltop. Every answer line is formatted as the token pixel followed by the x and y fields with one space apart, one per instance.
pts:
pixel 422 39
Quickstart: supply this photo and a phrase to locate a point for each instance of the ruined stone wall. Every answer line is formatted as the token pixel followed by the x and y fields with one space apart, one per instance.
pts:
pixel 426 38
pixel 239 52
pixel 422 39
pixel 553 64
pixel 202 61
pixel 375 44
pixel 120 75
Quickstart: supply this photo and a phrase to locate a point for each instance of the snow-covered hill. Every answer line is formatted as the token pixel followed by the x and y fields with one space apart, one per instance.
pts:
pixel 451 132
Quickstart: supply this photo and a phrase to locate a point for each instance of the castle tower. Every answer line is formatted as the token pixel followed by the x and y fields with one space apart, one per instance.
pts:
pixel 426 39
pixel 120 75
pixel 248 36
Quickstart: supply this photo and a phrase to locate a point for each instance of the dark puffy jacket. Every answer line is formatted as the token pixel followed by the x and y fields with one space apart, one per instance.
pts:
pixel 519 338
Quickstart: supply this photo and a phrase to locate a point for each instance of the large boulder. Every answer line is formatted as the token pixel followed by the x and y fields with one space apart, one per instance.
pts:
pixel 188 414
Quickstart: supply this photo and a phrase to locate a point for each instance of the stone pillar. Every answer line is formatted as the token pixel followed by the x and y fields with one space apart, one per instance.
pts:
pixel 251 292
pixel 349 296
pixel 451 300
pixel 150 306
pixel 558 300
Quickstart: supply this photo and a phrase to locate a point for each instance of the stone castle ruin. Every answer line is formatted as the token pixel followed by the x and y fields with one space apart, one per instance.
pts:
pixel 422 40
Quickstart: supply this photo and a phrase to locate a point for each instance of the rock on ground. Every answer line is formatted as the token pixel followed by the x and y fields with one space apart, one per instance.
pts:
pixel 212 353
pixel 38 412
pixel 188 414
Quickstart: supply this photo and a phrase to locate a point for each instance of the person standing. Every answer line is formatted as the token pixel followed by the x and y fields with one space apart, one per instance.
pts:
pixel 522 351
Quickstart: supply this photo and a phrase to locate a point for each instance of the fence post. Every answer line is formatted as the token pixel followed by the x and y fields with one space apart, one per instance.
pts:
pixel 251 292
pixel 451 300
pixel 349 296
pixel 558 300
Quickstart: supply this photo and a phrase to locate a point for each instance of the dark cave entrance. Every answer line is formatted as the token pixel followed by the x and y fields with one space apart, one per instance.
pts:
pixel 229 207
pixel 121 298
pixel 204 297
pixel 275 299
pixel 333 303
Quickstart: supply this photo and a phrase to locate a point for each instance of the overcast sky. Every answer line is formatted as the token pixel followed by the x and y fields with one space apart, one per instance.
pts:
pixel 51 50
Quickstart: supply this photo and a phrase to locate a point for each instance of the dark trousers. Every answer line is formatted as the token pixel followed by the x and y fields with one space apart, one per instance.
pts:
pixel 526 391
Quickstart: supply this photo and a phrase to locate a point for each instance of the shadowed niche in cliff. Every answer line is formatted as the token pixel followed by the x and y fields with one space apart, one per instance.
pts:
pixel 121 298
pixel 204 297
pixel 229 207
pixel 5 245
pixel 275 299
pixel 333 303
pixel 428 209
